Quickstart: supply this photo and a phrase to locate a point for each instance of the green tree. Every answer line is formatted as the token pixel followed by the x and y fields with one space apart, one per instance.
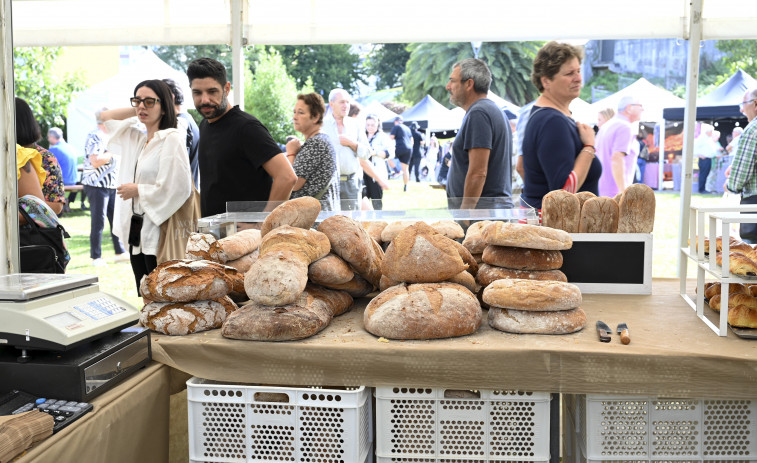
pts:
pixel 430 64
pixel 47 93
pixel 740 54
pixel 387 62
pixel 326 66
pixel 271 94
pixel 179 56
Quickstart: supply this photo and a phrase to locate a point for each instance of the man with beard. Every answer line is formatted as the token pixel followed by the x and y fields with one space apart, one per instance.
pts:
pixel 239 160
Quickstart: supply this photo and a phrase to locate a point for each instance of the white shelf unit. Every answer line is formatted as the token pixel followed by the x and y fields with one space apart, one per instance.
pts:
pixel 718 219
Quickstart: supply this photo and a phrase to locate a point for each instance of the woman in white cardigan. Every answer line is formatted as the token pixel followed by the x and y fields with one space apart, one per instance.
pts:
pixel 154 178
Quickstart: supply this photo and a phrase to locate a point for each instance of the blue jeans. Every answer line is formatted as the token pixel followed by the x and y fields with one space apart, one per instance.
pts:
pixel 349 193
pixel 101 204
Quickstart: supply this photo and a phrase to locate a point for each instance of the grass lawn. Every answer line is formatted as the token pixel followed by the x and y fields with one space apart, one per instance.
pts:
pixel 117 278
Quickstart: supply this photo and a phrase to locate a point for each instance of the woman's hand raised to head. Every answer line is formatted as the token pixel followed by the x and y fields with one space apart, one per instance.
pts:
pixel 586 132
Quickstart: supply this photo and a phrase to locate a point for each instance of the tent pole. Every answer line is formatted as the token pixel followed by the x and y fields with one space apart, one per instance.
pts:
pixel 661 157
pixel 237 50
pixel 9 260
pixel 689 119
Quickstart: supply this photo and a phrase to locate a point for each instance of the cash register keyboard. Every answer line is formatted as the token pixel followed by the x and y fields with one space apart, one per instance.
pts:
pixel 64 412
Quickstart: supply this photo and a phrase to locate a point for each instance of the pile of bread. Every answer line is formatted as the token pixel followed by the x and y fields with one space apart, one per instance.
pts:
pixel 742 303
pixel 631 211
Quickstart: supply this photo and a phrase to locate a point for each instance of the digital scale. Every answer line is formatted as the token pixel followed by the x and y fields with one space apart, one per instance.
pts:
pixel 60 336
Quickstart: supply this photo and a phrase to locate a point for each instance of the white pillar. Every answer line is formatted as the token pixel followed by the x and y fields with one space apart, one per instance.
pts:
pixel 237 50
pixel 9 223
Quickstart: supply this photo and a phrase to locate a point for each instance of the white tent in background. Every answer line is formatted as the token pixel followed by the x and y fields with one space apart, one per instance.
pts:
pixel 511 109
pixel 385 114
pixel 115 93
pixel 654 99
pixel 583 112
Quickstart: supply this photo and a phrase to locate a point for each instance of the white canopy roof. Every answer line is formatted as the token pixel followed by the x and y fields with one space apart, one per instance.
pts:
pixel 653 98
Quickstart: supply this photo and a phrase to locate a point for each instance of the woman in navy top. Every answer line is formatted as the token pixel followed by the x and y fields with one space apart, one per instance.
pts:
pixel 558 152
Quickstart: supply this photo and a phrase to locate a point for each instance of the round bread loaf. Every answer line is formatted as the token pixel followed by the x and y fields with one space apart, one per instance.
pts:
pixel 532 295
pixel 739 264
pixel 356 287
pixel 351 242
pixel 374 229
pixel 474 240
pixel 742 316
pixel 489 273
pixel 522 258
pixel 423 311
pixel 245 262
pixel 529 322
pixel 180 318
pixel 637 207
pixel 187 280
pixel 330 270
pixel 733 301
pixel 526 236
pixel 467 280
pixel 393 228
pixel 418 254
pixel 239 244
pixel 449 228
pixel 599 215
pixel 467 257
pixel 204 246
pixel 561 210
pixel 733 288
pixel 300 212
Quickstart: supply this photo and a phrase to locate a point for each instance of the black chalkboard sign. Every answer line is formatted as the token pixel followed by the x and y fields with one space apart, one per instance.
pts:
pixel 604 262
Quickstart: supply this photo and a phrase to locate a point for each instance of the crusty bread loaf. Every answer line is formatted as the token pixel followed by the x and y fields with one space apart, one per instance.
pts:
pixel 351 242
pixel 449 228
pixel 479 258
pixel 187 280
pixel 467 257
pixel 739 264
pixel 637 207
pixel 467 280
pixel 599 215
pixel 526 236
pixel 279 276
pixel 418 254
pixel 561 210
pixel 386 283
pixel 423 311
pixel 244 263
pixel 733 301
pixel 584 196
pixel 488 273
pixel 474 240
pixel 204 246
pixel 309 314
pixel 301 213
pixel 733 288
pixel 239 244
pixel 522 258
pixel 330 270
pixel 390 231
pixel 618 197
pixel 528 322
pixel 742 316
pixel 374 229
pixel 180 318
pixel 356 287
pixel 532 295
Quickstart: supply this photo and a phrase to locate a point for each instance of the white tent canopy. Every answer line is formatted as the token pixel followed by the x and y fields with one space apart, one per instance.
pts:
pixel 653 98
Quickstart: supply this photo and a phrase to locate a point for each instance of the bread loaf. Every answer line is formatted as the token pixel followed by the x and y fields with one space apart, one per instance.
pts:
pixel 739 264
pixel 742 316
pixel 374 229
pixel 733 301
pixel 330 270
pixel 599 215
pixel 528 322
pixel 390 231
pixel 467 257
pixel 204 246
pixel 310 313
pixel 356 287
pixel 239 244
pixel 467 280
pixel 532 295
pixel 423 311
pixel 522 258
pixel 279 276
pixel 187 280
pixel 180 318
pixel 488 273
pixel 419 254
pixel 449 228
pixel 561 210
pixel 474 240
pixel 526 236
pixel 351 242
pixel 583 196
pixel 300 213
pixel 386 283
pixel 733 288
pixel 637 207
pixel 244 263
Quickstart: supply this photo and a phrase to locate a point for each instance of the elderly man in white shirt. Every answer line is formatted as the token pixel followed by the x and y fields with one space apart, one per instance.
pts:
pixel 351 147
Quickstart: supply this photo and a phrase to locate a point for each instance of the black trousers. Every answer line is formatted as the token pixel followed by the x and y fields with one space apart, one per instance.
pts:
pixel 142 264
pixel 373 191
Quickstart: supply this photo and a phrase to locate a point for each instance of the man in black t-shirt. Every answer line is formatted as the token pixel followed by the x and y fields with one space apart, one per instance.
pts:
pixel 403 145
pixel 239 160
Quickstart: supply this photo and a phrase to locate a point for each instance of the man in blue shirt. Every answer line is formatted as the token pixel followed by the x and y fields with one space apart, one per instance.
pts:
pixel 67 158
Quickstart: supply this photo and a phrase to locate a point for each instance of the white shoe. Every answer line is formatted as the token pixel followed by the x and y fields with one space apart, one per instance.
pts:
pixel 123 257
pixel 99 262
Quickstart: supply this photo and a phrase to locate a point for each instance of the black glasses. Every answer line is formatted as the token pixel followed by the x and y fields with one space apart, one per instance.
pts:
pixel 743 103
pixel 149 102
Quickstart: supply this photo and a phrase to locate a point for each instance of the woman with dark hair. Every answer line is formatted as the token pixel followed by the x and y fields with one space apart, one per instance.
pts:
pixel 381 148
pixel 28 134
pixel 314 162
pixel 154 179
pixel 558 152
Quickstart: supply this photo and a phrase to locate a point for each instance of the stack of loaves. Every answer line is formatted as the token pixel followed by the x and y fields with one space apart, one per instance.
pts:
pixel 520 251
pixel 188 296
pixel 422 297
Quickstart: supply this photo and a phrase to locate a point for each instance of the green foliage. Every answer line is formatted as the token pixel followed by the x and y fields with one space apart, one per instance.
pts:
pixel 271 93
pixel 387 62
pixel 327 66
pixel 740 54
pixel 179 56
pixel 47 93
pixel 430 64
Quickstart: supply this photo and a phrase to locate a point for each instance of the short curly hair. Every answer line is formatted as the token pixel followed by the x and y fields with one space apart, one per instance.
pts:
pixel 550 58
pixel 315 105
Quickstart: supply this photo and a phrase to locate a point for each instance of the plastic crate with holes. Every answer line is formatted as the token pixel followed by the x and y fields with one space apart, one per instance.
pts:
pixel 435 425
pixel 631 428
pixel 249 423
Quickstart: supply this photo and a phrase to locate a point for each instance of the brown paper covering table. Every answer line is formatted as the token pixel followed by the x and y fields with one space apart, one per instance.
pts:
pixel 672 354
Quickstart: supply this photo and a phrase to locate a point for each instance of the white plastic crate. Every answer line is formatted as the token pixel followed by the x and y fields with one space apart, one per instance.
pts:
pixel 246 423
pixel 632 428
pixel 434 425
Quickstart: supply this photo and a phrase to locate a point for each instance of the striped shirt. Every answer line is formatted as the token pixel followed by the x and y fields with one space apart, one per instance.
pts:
pixel 743 178
pixel 103 176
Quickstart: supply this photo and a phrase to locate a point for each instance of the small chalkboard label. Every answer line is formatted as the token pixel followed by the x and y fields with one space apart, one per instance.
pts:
pixel 618 262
